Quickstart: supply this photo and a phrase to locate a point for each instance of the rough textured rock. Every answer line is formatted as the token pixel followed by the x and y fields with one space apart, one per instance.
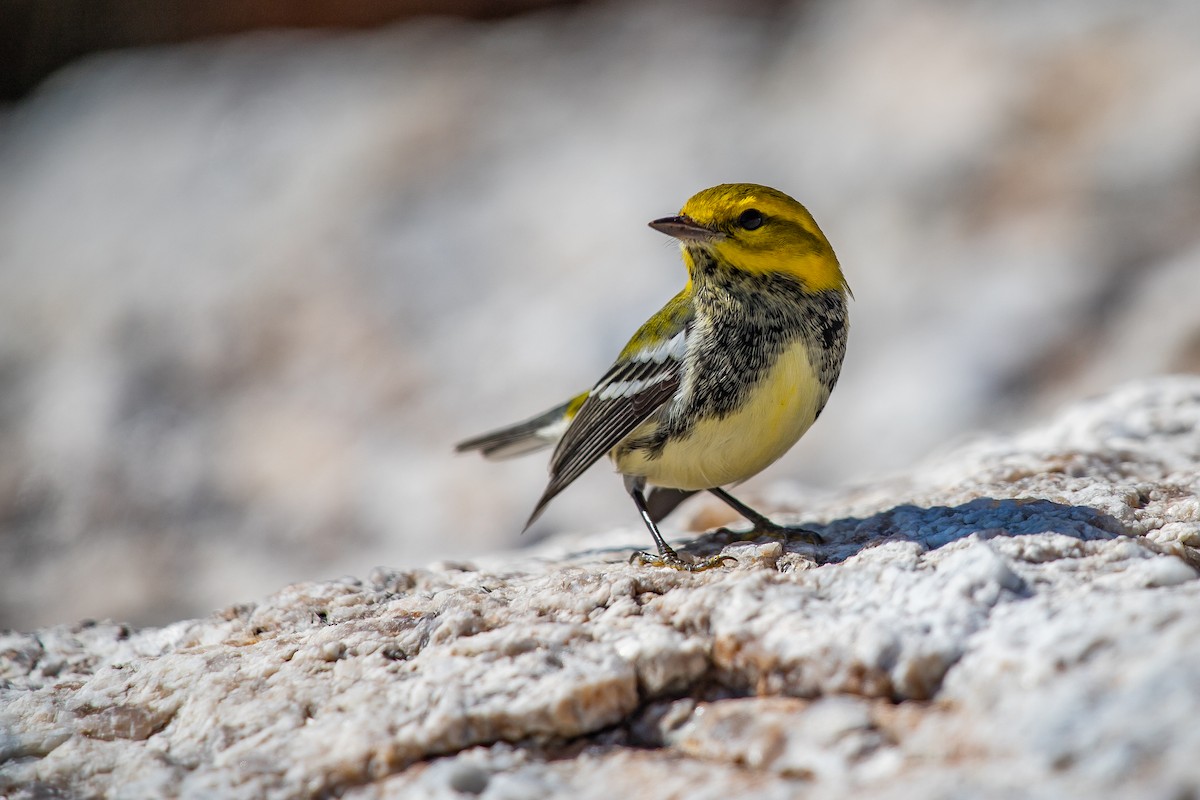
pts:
pixel 1015 618
pixel 253 288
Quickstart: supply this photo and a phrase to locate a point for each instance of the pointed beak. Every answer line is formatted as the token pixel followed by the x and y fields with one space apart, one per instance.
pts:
pixel 684 229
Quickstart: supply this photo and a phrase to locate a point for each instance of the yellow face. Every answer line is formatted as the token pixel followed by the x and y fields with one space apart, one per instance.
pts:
pixel 758 230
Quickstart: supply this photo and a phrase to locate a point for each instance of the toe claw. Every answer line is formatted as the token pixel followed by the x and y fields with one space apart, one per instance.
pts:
pixel 787 533
pixel 671 560
pixel 804 535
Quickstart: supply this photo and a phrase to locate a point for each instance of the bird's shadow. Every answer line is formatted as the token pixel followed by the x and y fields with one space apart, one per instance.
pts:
pixel 931 527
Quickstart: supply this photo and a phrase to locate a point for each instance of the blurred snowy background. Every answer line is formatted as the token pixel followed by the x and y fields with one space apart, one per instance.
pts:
pixel 254 287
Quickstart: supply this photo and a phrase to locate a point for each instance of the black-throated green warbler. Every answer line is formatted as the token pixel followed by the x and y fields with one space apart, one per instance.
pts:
pixel 724 379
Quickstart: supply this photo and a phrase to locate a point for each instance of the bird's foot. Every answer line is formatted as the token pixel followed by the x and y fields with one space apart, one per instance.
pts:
pixel 671 560
pixel 786 533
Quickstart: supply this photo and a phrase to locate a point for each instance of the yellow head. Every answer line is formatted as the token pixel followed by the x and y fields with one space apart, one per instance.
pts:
pixel 755 229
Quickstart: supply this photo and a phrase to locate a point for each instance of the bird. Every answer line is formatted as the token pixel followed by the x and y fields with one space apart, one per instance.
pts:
pixel 721 381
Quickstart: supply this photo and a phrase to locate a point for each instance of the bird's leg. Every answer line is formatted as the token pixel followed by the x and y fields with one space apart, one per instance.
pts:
pixel 667 557
pixel 763 525
pixel 665 551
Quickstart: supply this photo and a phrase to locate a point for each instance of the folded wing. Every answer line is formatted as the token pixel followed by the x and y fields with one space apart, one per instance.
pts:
pixel 644 378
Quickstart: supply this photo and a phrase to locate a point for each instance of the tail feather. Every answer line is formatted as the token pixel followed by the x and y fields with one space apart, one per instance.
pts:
pixel 661 501
pixel 533 434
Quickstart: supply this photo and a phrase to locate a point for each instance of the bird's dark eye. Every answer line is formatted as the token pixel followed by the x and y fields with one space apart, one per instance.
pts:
pixel 750 219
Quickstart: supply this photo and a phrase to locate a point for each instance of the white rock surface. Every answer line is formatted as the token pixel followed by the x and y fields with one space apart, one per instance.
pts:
pixel 252 289
pixel 1017 618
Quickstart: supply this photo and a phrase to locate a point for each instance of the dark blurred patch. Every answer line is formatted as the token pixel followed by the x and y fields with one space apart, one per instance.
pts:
pixel 39 36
